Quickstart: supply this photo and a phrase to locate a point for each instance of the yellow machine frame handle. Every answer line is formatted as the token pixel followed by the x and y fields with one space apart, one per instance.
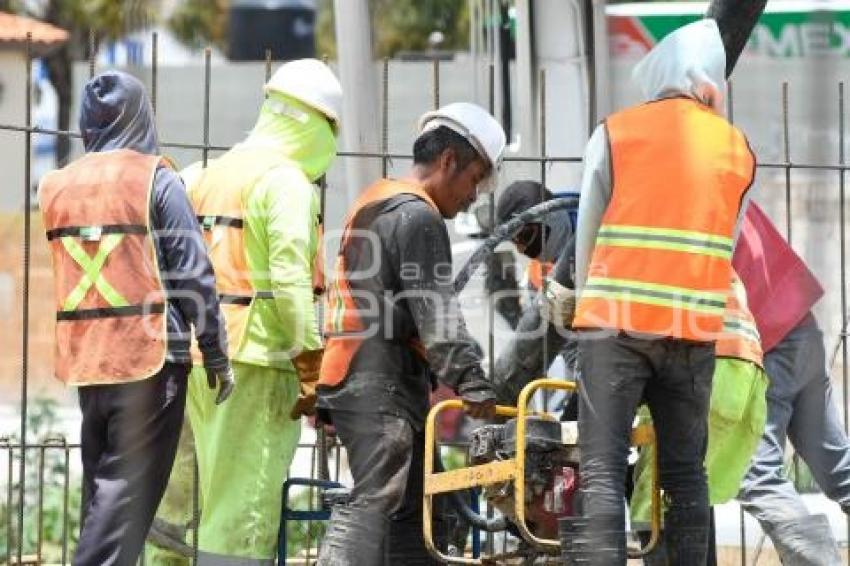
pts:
pixel 512 470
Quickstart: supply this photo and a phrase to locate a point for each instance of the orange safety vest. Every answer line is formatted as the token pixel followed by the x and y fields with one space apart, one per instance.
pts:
pixel 343 326
pixel 218 199
pixel 537 272
pixel 740 337
pixel 110 302
pixel 662 260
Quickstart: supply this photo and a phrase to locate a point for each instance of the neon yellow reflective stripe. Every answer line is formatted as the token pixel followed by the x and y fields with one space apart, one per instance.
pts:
pixel 666 239
pixel 660 245
pixel 656 301
pixel 742 328
pixel 651 230
pixel 92 266
pixel 655 294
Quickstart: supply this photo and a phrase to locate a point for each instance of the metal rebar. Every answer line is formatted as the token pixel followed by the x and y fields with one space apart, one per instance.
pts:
pixel 310 495
pixel 787 147
pixel 40 504
pixel 843 243
pixel 743 538
pixel 268 64
pixel 545 282
pixel 10 497
pixel 845 376
pixel 730 106
pixel 491 261
pixel 385 115
pixel 435 64
pixel 207 81
pixel 37 130
pixel 92 51
pixel 154 68
pixel 25 306
pixel 66 498
pixel 196 511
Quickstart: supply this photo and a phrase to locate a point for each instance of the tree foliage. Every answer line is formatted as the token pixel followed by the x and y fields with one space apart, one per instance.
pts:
pixel 109 19
pixel 198 23
pixel 402 25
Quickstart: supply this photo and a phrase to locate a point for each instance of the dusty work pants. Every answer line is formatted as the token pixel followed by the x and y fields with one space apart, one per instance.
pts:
pixel 245 447
pixel 129 436
pixel 674 378
pixel 800 406
pixel 385 456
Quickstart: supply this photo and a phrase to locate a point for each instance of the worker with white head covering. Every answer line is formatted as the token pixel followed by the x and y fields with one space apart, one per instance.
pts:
pixel 662 193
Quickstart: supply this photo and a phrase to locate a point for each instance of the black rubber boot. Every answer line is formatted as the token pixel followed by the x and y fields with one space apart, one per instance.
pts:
pixel 406 544
pixel 355 537
pixel 593 541
pixel 686 535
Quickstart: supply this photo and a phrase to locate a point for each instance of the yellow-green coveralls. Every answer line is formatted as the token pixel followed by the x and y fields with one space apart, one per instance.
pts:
pixel 735 424
pixel 245 446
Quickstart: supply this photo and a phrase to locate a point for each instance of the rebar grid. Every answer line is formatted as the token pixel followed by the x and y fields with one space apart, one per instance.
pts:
pixel 43 447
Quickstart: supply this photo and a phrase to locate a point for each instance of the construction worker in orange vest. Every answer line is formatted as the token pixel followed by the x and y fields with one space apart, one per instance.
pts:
pixel 394 327
pixel 131 277
pixel 663 190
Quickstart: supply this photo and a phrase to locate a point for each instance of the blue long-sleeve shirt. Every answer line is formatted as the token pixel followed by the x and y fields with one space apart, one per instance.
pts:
pixel 186 273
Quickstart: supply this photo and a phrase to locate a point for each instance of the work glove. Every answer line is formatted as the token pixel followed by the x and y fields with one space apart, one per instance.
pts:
pixel 479 399
pixel 223 377
pixel 558 304
pixel 307 365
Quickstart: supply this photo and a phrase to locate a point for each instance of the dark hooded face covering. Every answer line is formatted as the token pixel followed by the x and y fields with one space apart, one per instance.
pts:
pixel 531 238
pixel 116 114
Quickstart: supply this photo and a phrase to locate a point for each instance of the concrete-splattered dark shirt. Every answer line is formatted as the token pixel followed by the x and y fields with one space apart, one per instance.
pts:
pixel 400 273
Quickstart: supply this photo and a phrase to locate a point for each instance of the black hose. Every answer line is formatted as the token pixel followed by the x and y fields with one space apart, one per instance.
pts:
pixel 500 234
pixel 460 501
pixel 505 231
pixel 736 20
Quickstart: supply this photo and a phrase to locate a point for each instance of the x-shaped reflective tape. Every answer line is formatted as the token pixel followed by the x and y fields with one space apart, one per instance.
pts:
pixel 93 276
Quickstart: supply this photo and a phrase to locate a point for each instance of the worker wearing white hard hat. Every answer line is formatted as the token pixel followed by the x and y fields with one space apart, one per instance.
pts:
pixel 394 329
pixel 260 214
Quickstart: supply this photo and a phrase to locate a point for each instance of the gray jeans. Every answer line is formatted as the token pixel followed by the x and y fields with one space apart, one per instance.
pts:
pixel 800 407
pixel 385 455
pixel 674 378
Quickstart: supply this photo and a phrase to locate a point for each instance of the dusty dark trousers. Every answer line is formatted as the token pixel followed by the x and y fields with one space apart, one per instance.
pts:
pixel 674 378
pixel 129 438
pixel 385 455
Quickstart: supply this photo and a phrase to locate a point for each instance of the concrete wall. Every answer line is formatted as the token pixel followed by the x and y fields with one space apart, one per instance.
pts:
pixel 12 107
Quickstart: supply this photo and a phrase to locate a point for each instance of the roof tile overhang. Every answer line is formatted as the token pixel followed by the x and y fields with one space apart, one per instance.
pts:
pixel 14 30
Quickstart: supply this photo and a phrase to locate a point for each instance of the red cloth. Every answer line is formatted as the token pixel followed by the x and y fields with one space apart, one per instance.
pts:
pixel 780 288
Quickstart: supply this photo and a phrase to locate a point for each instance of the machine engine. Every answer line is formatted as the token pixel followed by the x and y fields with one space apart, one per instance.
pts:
pixel 551 470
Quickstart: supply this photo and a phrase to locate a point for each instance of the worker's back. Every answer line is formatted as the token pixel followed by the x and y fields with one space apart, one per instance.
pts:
pixel 661 264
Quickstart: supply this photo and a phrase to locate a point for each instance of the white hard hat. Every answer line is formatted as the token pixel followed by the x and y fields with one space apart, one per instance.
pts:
pixel 473 123
pixel 312 82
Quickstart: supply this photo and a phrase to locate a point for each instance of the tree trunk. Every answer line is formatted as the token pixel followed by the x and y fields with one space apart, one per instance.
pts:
pixel 736 20
pixel 59 74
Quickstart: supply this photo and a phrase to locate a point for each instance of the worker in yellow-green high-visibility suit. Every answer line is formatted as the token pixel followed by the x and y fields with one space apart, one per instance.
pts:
pixel 736 418
pixel 260 215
